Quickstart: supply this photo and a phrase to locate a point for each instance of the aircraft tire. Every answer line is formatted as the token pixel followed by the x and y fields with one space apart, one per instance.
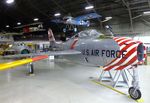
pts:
pixel 134 94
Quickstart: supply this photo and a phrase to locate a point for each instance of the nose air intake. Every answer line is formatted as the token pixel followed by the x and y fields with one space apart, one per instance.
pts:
pixel 135 52
pixel 140 52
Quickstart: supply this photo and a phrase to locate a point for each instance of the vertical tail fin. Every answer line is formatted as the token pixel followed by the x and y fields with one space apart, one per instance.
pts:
pixel 51 38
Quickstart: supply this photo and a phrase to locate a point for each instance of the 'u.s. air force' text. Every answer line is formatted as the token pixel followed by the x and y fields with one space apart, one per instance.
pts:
pixel 104 53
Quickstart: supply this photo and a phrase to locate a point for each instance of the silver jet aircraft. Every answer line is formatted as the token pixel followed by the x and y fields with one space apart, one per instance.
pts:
pixel 92 47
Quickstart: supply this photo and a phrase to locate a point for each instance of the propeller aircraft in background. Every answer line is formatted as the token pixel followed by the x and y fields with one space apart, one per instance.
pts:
pixel 33 27
pixel 82 20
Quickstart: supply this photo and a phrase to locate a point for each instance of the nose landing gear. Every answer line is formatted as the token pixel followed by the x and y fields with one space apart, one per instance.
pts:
pixel 134 93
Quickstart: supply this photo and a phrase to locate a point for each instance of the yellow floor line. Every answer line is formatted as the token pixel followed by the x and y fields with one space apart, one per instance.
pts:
pixel 110 87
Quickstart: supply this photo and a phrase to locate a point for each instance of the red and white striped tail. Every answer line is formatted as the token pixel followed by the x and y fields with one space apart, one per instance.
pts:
pixel 130 58
pixel 51 35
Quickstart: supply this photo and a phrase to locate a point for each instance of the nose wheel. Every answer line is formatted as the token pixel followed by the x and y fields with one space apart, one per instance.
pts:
pixel 134 93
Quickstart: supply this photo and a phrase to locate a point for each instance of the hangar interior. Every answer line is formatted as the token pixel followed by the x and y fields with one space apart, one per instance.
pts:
pixel 28 29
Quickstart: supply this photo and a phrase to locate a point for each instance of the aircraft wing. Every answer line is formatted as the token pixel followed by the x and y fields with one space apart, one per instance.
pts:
pixel 36 57
pixel 57 21
pixel 87 17
pixel 50 53
pixel 5 66
pixel 32 24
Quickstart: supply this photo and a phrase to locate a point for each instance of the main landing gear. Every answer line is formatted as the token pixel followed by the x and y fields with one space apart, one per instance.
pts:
pixel 31 69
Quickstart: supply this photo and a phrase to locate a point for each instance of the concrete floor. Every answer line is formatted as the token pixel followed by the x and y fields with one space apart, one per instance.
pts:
pixel 62 82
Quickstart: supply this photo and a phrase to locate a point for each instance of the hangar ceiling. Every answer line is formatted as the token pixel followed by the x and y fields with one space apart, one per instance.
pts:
pixel 25 10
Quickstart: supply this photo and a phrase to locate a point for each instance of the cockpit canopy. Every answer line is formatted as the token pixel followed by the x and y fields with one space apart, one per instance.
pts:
pixel 91 33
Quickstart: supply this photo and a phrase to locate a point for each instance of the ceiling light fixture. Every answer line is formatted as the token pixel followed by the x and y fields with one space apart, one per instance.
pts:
pixel 19 23
pixel 57 14
pixel 89 7
pixel 7 26
pixel 146 13
pixel 9 1
pixel 35 19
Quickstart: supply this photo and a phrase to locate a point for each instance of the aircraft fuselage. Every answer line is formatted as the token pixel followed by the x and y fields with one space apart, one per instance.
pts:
pixel 94 51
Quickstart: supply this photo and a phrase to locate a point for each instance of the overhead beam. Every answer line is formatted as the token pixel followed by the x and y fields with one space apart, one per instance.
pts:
pixel 148 3
pixel 130 14
pixel 137 2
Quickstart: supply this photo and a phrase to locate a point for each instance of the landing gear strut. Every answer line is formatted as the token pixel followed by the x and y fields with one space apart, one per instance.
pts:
pixel 31 69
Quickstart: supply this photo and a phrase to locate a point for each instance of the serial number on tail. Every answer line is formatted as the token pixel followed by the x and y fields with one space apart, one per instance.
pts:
pixel 104 53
